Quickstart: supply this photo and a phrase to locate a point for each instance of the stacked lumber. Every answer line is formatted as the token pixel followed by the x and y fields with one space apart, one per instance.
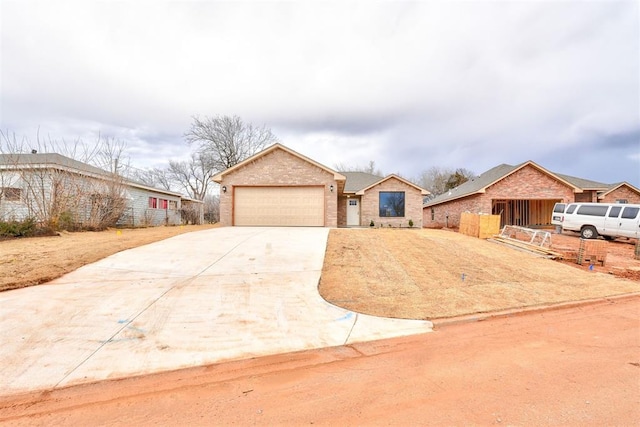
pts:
pixel 519 244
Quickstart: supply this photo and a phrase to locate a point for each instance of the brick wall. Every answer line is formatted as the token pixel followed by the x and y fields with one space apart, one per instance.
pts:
pixel 587 196
pixel 448 214
pixel 622 192
pixel 370 205
pixel 342 211
pixel 529 183
pixel 526 183
pixel 279 167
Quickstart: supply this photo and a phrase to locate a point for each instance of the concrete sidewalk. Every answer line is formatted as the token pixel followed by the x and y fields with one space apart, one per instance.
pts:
pixel 198 298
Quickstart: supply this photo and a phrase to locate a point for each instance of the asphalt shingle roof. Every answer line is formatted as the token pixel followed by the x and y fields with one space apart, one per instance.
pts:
pixel 474 185
pixel 585 184
pixel 356 181
pixel 495 174
pixel 48 159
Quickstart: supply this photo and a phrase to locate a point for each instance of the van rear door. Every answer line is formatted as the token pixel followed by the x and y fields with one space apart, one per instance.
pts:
pixel 558 213
pixel 629 222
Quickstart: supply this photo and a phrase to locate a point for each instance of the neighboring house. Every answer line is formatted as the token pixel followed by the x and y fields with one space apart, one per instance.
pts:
pixel 621 192
pixel 280 187
pixel 56 189
pixel 522 195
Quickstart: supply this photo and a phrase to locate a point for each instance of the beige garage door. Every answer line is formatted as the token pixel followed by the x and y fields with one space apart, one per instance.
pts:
pixel 279 206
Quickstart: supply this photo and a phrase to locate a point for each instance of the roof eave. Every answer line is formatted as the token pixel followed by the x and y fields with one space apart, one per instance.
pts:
pixel 462 196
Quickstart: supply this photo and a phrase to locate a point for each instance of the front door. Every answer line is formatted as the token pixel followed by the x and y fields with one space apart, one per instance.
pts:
pixel 353 212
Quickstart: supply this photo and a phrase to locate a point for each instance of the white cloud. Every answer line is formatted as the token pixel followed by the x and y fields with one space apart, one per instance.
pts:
pixel 407 84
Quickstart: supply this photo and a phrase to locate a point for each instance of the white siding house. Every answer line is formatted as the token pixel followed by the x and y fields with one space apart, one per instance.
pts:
pixel 148 206
pixel 60 191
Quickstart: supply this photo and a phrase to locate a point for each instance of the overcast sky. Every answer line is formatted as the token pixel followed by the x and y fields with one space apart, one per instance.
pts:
pixel 408 85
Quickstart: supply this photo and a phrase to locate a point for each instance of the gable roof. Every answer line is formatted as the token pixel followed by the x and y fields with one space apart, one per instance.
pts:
pixel 17 161
pixel 359 182
pixel 480 183
pixel 277 146
pixel 617 185
pixel 394 176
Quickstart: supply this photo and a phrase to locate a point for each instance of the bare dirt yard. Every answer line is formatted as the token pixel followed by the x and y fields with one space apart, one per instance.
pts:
pixel 620 255
pixel 433 274
pixel 32 261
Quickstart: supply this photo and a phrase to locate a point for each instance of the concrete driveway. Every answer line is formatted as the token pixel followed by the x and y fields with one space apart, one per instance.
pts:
pixel 194 299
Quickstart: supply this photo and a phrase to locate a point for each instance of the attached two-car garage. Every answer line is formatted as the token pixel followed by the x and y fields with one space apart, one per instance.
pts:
pixel 279 187
pixel 279 206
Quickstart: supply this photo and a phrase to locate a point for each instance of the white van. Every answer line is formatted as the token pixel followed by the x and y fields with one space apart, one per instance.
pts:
pixel 609 220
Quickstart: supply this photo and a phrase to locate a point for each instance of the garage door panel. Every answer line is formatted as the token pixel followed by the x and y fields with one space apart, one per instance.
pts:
pixel 279 206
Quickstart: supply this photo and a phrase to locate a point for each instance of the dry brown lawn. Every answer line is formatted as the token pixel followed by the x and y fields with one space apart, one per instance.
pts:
pixel 32 261
pixel 386 272
pixel 431 274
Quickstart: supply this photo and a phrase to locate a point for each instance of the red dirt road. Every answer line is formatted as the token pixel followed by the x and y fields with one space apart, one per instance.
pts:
pixel 575 366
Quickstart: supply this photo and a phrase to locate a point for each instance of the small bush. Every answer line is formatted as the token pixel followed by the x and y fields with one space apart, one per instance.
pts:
pixel 25 228
pixel 410 223
pixel 66 222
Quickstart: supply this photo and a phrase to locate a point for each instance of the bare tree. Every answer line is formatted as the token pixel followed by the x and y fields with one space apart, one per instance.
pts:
pixel 212 208
pixel 438 180
pixel 369 168
pixel 193 176
pixel 64 196
pixel 109 154
pixel 225 141
pixel 155 177
pixel 459 177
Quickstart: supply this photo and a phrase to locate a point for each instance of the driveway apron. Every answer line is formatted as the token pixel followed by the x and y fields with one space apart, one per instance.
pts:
pixel 197 298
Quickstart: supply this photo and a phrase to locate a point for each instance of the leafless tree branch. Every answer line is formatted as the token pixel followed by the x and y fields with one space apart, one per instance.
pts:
pixel 225 141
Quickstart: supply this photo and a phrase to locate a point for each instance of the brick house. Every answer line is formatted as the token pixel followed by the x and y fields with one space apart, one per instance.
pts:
pixel 522 195
pixel 621 192
pixel 366 198
pixel 280 187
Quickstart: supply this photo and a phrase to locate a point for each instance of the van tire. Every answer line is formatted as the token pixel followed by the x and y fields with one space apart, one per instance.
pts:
pixel 588 232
